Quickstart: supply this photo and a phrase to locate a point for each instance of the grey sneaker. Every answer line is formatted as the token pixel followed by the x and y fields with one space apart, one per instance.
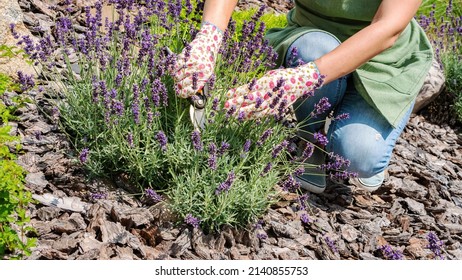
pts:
pixel 312 183
pixel 370 184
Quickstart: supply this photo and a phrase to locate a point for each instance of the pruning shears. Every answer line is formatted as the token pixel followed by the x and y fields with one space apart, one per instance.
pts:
pixel 198 102
pixel 197 108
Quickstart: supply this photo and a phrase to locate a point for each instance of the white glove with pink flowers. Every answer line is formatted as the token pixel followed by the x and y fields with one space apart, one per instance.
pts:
pixel 196 63
pixel 274 92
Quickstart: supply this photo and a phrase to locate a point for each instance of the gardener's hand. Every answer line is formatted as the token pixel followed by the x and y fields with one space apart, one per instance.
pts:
pixel 274 92
pixel 196 63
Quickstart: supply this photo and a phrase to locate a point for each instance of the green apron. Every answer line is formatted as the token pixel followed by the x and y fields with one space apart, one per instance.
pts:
pixel 391 80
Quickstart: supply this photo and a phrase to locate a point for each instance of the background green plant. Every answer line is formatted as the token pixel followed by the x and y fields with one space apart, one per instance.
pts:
pixel 445 35
pixel 14 197
pixel 271 20
pixel 453 72
pixel 440 7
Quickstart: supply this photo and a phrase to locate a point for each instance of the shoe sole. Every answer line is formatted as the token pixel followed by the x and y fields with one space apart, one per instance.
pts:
pixel 356 182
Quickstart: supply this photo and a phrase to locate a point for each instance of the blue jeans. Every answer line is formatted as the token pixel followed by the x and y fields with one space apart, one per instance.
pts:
pixel 365 138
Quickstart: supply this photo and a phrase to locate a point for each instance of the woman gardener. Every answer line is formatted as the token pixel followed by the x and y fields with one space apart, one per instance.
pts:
pixel 371 54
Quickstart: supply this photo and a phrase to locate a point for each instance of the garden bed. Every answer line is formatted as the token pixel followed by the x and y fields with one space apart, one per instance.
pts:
pixel 102 219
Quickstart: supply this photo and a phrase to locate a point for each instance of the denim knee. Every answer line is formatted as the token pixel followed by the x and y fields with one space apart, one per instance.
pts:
pixel 310 46
pixel 363 146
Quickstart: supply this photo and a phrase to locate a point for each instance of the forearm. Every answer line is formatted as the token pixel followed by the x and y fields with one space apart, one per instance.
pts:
pixel 219 12
pixel 391 19
pixel 354 52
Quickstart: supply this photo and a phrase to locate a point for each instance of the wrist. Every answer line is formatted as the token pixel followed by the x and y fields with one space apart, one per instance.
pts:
pixel 212 26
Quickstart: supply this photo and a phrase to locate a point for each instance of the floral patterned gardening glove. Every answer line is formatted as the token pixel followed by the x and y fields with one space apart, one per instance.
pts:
pixel 196 63
pixel 273 93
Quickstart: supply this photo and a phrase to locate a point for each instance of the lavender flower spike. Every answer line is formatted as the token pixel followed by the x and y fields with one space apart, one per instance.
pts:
pixel 435 245
pixel 226 185
pixel 322 106
pixel 162 139
pixel 212 161
pixel 196 140
pixel 391 254
pixel 83 157
pixel 153 196
pixel 331 244
pixel 192 221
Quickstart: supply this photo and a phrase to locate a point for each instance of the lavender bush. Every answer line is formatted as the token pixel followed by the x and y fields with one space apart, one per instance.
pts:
pixel 442 21
pixel 121 111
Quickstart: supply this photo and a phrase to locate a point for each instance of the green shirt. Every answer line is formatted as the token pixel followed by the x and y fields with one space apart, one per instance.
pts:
pixel 391 80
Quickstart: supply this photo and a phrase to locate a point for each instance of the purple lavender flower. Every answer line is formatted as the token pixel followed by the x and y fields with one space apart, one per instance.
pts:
pixel 136 112
pixel 336 162
pixel 240 116
pixel 174 9
pixel 212 161
pixel 307 152
pixel 230 112
pixel 299 171
pixel 96 196
pixel 130 140
pixel 259 224
pixel 215 103
pixel 224 147
pixel 302 202
pixel 226 185
pixel 13 31
pixel 246 146
pixel 159 88
pixel 192 221
pixel 83 157
pixel 252 84
pixel 266 134
pixel 290 184
pixel 118 79
pixel 162 140
pixel 320 138
pixel 278 149
pixel 305 219
pixel 118 108
pixel 28 46
pixel 26 81
pixel 195 77
pixel 293 56
pixel 196 140
pixel 262 236
pixel 319 108
pixel 391 254
pixel 281 110
pixel 343 116
pixel 281 81
pixel 153 196
pixel 331 244
pixel 435 245
pixel 342 175
pixel 267 169
pixel 63 28
pixel 258 102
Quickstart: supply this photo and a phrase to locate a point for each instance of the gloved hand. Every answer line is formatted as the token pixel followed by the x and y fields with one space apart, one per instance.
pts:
pixel 274 92
pixel 196 63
